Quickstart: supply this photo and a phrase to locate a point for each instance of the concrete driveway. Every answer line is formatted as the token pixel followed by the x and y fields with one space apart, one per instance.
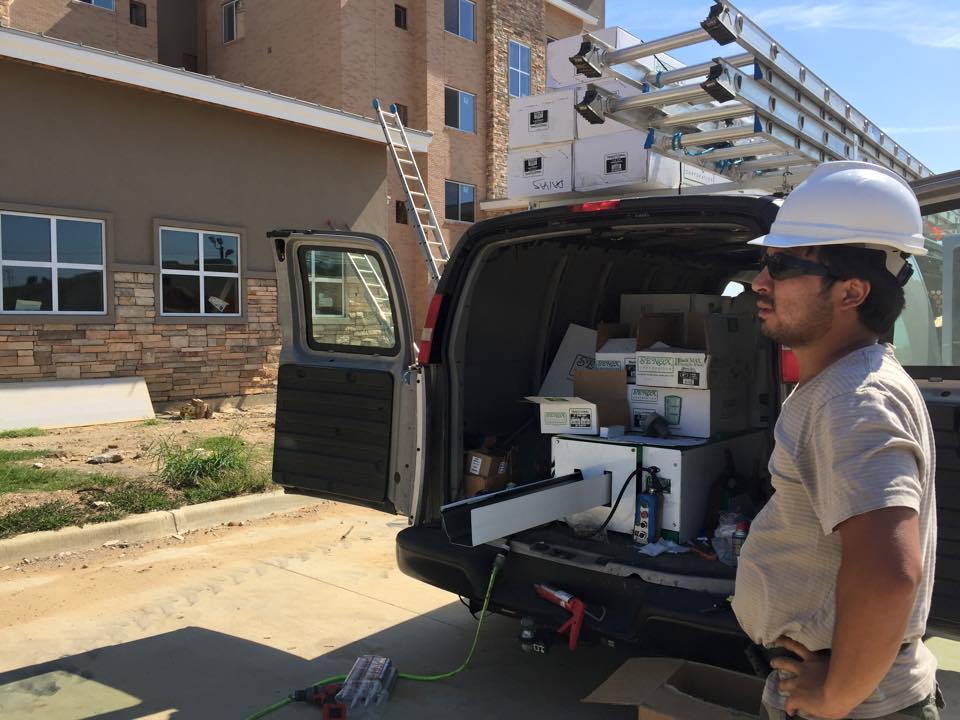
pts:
pixel 223 623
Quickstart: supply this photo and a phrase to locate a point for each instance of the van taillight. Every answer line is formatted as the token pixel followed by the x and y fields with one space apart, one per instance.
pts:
pixel 426 339
pixel 789 367
pixel 595 206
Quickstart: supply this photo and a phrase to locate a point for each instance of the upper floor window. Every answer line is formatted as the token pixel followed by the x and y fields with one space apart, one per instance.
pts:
pixel 51 264
pixel 458 18
pixel 230 21
pixel 458 110
pixel 400 16
pixel 138 13
pixel 403 113
pixel 105 4
pixel 519 69
pixel 459 201
pixel 199 272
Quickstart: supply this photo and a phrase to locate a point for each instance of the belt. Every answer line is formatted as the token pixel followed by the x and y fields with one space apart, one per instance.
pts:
pixel 760 656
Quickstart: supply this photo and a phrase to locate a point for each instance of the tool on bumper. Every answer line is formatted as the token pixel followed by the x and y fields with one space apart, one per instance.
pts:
pixel 568 602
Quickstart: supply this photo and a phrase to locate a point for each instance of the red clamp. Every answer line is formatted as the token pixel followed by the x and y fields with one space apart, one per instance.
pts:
pixel 568 602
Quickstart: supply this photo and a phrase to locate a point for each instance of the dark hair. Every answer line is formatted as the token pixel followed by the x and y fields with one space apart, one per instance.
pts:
pixel 885 301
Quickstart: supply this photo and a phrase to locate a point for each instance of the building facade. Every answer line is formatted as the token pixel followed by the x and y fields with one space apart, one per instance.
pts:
pixel 451 66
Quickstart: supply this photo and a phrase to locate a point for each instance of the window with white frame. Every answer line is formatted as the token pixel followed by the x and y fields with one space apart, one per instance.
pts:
pixel 199 272
pixel 50 263
pixel 458 18
pixel 460 201
pixel 105 4
pixel 326 284
pixel 519 69
pixel 230 21
pixel 458 110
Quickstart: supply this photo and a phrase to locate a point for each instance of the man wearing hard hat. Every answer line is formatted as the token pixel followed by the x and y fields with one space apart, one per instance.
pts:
pixel 836 575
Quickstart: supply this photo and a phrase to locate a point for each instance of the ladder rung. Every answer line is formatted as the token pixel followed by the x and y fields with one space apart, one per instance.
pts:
pixel 418 194
pixel 423 210
pixel 404 160
pixel 411 177
pixel 429 227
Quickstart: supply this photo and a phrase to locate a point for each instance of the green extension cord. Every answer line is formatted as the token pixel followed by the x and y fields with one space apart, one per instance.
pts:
pixel 497 564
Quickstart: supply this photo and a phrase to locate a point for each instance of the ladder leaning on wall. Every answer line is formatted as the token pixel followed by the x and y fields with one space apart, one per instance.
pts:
pixel 418 200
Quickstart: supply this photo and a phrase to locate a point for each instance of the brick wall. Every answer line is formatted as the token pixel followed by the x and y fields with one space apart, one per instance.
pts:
pixel 508 20
pixel 80 22
pixel 360 325
pixel 178 361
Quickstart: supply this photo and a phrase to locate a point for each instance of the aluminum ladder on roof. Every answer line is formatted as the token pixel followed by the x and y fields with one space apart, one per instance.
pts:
pixel 754 128
pixel 428 235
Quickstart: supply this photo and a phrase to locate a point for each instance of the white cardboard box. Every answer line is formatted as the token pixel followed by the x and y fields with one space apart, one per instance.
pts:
pixel 543 119
pixel 560 71
pixel 689 412
pixel 576 352
pixel 621 161
pixel 542 170
pixel 619 88
pixel 569 415
pixel 619 354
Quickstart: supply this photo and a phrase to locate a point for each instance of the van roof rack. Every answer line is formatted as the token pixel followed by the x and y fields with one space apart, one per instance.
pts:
pixel 763 129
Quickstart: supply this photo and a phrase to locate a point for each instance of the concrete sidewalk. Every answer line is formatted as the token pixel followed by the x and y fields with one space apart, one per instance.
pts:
pixel 149 526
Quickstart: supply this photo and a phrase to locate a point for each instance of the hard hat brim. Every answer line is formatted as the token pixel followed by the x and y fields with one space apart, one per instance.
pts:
pixel 779 240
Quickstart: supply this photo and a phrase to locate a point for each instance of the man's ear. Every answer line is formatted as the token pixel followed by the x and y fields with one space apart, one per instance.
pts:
pixel 853 293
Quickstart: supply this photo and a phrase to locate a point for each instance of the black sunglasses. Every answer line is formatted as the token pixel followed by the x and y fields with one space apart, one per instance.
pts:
pixel 782 266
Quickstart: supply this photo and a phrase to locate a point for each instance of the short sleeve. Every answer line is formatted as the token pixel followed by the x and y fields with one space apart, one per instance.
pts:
pixel 863 458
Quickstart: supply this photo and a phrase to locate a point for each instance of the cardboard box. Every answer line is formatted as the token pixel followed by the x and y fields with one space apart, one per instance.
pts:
pixel 540 170
pixel 560 71
pixel 619 354
pixel 633 307
pixel 604 388
pixel 586 129
pixel 718 349
pixel 576 352
pixel 621 161
pixel 675 689
pixel 485 463
pixel 689 412
pixel 543 119
pixel 473 484
pixel 568 415
pixel 617 344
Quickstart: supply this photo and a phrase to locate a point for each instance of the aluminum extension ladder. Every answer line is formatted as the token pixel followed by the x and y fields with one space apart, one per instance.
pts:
pixel 765 129
pixel 372 281
pixel 428 234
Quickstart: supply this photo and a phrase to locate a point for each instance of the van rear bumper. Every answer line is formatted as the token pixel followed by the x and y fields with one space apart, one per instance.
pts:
pixel 629 606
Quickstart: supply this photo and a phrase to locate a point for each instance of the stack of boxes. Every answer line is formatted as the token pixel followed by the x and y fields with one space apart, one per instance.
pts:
pixel 553 150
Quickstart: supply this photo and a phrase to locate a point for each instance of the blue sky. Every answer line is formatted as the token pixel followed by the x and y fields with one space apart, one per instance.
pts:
pixel 896 62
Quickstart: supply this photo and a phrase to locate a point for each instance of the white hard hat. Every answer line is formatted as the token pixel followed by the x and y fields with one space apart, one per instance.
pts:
pixel 851 203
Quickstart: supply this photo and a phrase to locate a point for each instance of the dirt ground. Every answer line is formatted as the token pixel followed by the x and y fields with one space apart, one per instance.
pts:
pixel 70 448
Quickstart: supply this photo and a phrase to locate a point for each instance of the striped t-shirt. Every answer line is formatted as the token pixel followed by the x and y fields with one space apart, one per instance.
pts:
pixel 854 438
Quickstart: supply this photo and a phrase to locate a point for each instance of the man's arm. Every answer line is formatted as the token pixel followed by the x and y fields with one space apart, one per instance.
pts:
pixel 880 572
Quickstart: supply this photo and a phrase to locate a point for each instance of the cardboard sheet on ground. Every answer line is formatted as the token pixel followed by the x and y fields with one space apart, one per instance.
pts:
pixel 675 689
pixel 68 403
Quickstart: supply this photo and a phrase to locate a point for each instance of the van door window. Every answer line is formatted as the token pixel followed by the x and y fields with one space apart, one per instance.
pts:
pixel 347 302
pixel 927 333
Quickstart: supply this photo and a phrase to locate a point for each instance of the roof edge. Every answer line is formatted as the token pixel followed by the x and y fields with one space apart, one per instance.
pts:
pixel 571 9
pixel 111 66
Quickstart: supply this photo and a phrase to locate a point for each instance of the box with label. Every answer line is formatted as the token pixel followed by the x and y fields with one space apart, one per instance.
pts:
pixel 619 354
pixel 543 119
pixel 689 412
pixel 576 352
pixel 621 161
pixel 540 170
pixel 485 463
pixel 617 344
pixel 570 415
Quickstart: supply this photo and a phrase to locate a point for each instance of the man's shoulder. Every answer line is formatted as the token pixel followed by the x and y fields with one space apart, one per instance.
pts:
pixel 866 377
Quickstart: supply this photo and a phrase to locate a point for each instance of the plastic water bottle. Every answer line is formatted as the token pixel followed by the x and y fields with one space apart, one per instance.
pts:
pixel 737 540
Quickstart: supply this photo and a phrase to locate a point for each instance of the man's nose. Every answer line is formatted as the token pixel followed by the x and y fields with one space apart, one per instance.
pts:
pixel 762 283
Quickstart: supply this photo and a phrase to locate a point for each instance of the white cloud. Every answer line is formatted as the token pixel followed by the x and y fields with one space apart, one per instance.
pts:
pixel 919 23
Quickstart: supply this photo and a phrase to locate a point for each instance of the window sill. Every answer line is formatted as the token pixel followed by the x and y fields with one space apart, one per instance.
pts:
pixel 80 2
pixel 459 222
pixel 200 319
pixel 459 130
pixel 10 318
pixel 458 35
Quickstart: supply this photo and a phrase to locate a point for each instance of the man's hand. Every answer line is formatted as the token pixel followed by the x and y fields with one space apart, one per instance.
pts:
pixel 806 689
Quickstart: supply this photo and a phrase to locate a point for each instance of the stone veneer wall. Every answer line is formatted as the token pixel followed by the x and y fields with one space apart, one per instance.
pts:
pixel 360 326
pixel 177 360
pixel 508 20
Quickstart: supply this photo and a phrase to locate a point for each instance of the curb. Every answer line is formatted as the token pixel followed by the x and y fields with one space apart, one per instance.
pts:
pixel 149 526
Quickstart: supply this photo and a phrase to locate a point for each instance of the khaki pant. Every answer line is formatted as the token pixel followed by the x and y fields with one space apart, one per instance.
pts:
pixel 926 710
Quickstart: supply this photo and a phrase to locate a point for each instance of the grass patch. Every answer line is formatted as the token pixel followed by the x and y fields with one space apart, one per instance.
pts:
pixel 8 456
pixel 23 432
pixel 150 422
pixel 212 468
pixel 23 478
pixel 49 516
